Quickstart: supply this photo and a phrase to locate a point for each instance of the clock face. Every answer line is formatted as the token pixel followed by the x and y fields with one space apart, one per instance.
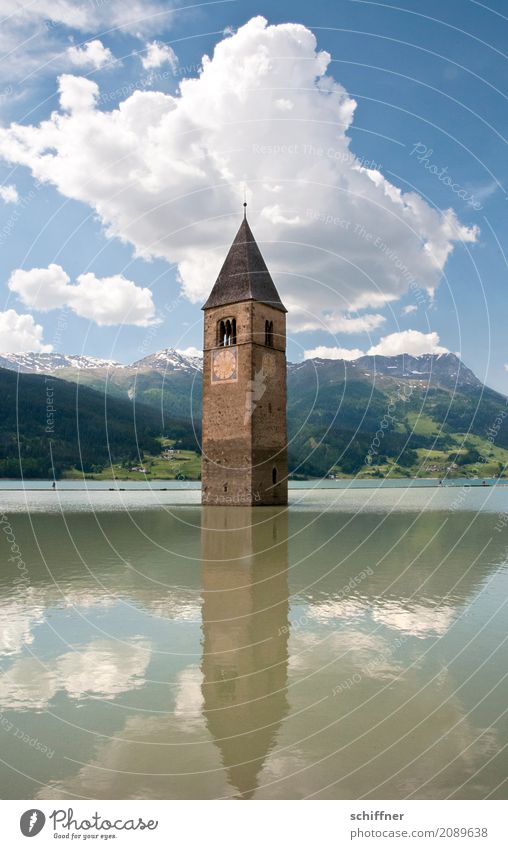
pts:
pixel 224 365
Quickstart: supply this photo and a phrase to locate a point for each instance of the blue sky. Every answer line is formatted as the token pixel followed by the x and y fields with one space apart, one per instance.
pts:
pixel 112 228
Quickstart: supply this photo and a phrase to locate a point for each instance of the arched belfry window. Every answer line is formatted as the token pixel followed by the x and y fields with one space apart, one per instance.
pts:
pixel 269 334
pixel 274 475
pixel 226 332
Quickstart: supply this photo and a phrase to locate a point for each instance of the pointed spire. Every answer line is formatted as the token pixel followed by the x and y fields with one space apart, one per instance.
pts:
pixel 244 275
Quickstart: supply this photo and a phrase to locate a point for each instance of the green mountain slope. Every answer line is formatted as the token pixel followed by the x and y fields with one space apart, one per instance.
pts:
pixel 48 425
pixel 427 415
pixel 400 415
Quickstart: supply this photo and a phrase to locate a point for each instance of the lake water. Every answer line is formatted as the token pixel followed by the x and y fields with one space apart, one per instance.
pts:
pixel 174 485
pixel 351 646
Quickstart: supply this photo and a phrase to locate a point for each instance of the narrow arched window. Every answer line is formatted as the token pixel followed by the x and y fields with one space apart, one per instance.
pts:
pixel 269 334
pixel 274 475
pixel 226 332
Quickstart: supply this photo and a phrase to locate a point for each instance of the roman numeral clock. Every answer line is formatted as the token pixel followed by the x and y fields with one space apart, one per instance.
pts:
pixel 224 364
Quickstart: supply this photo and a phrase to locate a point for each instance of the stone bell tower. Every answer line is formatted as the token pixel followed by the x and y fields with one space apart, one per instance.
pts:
pixel 244 382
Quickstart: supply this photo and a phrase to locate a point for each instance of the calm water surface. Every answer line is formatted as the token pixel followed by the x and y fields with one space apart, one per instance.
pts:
pixel 352 646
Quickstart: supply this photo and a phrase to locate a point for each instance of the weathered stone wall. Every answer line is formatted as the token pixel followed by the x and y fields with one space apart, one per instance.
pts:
pixel 244 419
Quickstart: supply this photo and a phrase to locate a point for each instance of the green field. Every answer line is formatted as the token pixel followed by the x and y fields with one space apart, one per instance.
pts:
pixel 433 463
pixel 186 465
pixel 182 465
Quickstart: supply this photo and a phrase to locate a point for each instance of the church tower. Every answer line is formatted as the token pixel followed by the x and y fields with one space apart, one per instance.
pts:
pixel 244 446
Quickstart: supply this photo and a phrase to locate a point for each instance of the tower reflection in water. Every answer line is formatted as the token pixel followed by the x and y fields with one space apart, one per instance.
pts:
pixel 245 635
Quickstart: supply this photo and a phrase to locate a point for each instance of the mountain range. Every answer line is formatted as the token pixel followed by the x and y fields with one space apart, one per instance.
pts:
pixel 426 414
pixel 34 363
pixel 447 369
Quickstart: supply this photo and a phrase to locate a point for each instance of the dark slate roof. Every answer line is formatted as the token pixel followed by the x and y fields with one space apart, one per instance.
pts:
pixel 244 275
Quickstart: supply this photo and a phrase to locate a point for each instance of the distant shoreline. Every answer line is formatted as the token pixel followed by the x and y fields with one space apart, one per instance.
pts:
pixel 73 485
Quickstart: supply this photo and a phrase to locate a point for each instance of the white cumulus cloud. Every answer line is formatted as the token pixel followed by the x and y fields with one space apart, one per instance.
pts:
pixel 102 669
pixel 191 351
pixel 157 54
pixel 402 342
pixel 410 308
pixel 93 54
pixel 105 300
pixel 419 621
pixel 323 352
pixel 77 94
pixel 165 173
pixel 135 17
pixel 304 319
pixel 9 194
pixel 16 626
pixel 31 30
pixel 20 333
pixel 408 342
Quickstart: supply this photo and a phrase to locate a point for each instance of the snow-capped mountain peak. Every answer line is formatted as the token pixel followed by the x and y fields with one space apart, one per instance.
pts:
pixel 169 359
pixel 34 363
